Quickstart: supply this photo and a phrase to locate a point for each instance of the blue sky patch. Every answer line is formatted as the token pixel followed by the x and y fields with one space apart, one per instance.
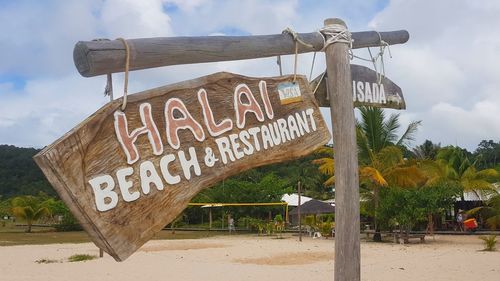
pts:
pixel 17 81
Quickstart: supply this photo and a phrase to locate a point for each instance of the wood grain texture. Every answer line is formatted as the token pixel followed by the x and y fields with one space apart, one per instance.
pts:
pixel 92 149
pixel 347 229
pixel 393 94
pixel 94 58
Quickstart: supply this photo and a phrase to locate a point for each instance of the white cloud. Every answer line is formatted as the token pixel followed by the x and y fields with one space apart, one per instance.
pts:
pixel 449 68
pixel 47 108
pixel 37 37
pixel 135 19
pixel 187 5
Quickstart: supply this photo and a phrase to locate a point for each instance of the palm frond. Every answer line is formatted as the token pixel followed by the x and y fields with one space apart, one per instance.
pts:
pixel 40 213
pixel 326 151
pixel 326 165
pixel 487 174
pixel 493 222
pixel 476 184
pixel 390 128
pixel 372 175
pixel 330 181
pixel 409 134
pixel 389 156
pixel 405 177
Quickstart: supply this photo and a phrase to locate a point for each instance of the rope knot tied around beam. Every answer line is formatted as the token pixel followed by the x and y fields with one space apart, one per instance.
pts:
pixel 335 33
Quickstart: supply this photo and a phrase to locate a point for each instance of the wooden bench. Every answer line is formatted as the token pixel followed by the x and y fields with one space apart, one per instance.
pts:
pixel 406 238
pixel 372 232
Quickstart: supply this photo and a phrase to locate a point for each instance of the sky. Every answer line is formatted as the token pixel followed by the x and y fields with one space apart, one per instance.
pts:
pixel 449 70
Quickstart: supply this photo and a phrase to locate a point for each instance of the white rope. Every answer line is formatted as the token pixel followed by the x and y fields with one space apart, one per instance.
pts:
pixel 335 33
pixel 312 66
pixel 296 38
pixel 377 60
pixel 317 85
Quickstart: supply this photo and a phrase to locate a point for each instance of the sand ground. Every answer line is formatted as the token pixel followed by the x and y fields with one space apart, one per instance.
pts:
pixel 243 257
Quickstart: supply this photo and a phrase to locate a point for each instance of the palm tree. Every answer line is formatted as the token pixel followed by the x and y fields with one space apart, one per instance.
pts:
pixel 326 164
pixel 491 211
pixel 388 168
pixel 453 168
pixel 380 158
pixel 29 209
pixel 375 131
pixel 453 164
pixel 427 151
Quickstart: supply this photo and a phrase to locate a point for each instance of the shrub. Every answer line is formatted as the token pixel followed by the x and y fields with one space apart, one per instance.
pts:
pixel 489 242
pixel 325 228
pixel 46 261
pixel 68 223
pixel 81 257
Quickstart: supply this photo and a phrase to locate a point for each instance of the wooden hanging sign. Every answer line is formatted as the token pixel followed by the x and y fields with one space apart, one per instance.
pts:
pixel 127 174
pixel 366 91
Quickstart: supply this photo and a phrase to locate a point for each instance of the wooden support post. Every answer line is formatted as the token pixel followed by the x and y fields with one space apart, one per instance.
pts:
pixel 101 253
pixel 298 211
pixel 210 218
pixel 286 214
pixel 347 230
pixel 94 58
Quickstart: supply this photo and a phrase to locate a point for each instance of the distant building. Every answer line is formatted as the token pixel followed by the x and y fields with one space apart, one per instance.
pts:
pixel 311 207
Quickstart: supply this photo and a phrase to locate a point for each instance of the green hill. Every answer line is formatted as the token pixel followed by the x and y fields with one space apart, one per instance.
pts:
pixel 19 174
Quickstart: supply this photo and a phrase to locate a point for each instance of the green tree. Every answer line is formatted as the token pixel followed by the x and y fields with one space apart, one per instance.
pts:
pixel 426 151
pixel 279 224
pixel 388 169
pixel 403 208
pixel 453 164
pixel 490 211
pixel 268 188
pixel 381 162
pixel 5 208
pixel 19 175
pixel 29 209
pixel 326 164
pixel 376 131
pixel 487 154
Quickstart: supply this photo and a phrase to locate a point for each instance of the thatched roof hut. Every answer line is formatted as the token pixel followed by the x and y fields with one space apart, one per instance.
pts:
pixel 312 207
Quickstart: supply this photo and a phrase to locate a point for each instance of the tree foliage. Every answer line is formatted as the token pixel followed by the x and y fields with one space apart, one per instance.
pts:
pixel 487 154
pixel 404 207
pixel 454 164
pixel 29 208
pixel 426 151
pixel 381 159
pixel 19 175
pixel 490 211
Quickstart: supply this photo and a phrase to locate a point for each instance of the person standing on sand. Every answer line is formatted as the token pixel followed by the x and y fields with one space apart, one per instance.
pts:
pixel 460 221
pixel 230 224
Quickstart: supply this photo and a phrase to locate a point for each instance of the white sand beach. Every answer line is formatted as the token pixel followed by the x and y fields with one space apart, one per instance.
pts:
pixel 244 257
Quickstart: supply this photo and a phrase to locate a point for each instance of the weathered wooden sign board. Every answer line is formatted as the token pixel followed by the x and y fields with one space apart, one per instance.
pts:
pixel 366 91
pixel 125 175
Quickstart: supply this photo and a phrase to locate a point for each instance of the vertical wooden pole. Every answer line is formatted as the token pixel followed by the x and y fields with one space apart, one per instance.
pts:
pixel 101 253
pixel 347 249
pixel 210 218
pixel 298 211
pixel 286 214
